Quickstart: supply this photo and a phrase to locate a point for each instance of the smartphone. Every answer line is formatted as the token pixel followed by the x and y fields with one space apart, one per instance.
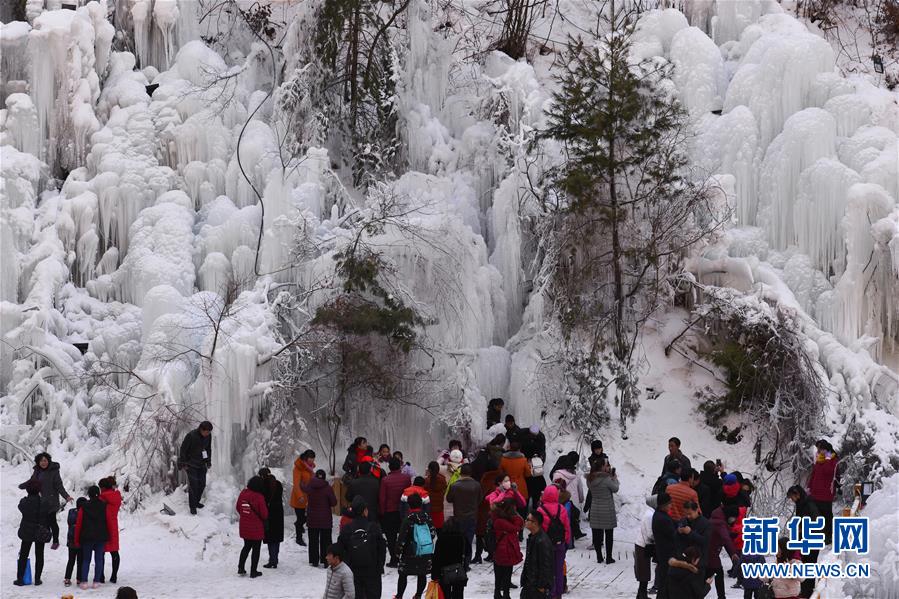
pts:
pixel 718 461
pixel 613 472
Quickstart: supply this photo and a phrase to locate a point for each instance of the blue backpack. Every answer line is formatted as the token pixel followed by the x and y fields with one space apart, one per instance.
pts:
pixel 421 536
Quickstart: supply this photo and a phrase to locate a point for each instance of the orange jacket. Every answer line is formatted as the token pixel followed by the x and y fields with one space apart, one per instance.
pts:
pixel 680 492
pixel 517 467
pixel 302 474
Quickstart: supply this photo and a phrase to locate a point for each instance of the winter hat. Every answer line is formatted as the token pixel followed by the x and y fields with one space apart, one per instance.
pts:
pixel 455 456
pixel 534 429
pixel 730 479
pixel 359 506
pixel 550 494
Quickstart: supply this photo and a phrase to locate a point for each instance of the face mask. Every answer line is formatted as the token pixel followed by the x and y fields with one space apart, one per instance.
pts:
pixel 507 485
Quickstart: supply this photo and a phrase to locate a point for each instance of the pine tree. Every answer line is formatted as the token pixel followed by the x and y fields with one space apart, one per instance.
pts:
pixel 625 209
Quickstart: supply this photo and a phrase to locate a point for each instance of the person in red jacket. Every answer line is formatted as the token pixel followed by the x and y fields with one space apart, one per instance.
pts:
pixel 821 484
pixel 389 496
pixel 110 495
pixel 507 554
pixel 253 514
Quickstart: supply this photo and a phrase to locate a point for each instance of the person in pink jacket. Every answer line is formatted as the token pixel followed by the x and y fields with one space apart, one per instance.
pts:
pixel 821 484
pixel 505 489
pixel 253 513
pixel 558 528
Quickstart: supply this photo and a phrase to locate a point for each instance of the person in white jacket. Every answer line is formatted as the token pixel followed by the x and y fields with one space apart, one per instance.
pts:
pixel 644 549
pixel 569 479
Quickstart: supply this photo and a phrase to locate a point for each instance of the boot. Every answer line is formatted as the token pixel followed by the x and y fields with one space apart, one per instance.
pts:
pixel 20 572
pixel 479 547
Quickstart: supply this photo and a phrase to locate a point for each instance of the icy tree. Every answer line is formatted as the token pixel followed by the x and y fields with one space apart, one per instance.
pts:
pixel 623 210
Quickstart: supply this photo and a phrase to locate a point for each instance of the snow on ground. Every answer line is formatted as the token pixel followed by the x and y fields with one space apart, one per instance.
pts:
pixel 183 556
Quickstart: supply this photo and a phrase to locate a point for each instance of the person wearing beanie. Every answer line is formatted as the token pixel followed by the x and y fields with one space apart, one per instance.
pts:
pixel 390 494
pixel 364 550
pixel 417 486
pixel 451 469
pixel 32 530
pixel 415 559
pixel 665 536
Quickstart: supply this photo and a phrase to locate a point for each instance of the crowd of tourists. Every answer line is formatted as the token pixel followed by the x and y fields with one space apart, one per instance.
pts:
pixel 463 510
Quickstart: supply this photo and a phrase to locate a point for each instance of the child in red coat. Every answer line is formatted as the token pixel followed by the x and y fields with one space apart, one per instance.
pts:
pixel 253 514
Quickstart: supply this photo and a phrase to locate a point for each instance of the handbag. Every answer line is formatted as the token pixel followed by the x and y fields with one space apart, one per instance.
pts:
pixel 453 574
pixel 433 591
pixel 42 534
pixel 764 592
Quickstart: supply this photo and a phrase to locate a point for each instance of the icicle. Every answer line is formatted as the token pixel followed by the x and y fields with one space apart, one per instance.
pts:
pixel 807 136
pixel 819 210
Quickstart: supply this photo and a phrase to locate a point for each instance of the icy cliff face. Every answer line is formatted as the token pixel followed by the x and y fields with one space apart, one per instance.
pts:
pixel 125 215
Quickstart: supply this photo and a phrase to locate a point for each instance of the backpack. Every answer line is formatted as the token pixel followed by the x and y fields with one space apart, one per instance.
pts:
pixel 536 466
pixel 421 537
pixel 490 537
pixel 556 530
pixel 359 547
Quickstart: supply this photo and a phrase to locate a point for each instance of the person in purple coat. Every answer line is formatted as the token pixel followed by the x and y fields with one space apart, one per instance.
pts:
pixel 719 539
pixel 318 517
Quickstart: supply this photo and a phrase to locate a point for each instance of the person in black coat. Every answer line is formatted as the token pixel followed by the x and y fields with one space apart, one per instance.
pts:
pixel 91 535
pixel 31 529
pixel 538 572
pixel 495 411
pixel 686 579
pixel 365 551
pixel 195 457
pixel 46 473
pixel 448 552
pixel 805 508
pixel 710 488
pixel 274 526
pixel 412 564
pixel 74 561
pixel 354 454
pixel 368 487
pixel 665 536
pixel 695 532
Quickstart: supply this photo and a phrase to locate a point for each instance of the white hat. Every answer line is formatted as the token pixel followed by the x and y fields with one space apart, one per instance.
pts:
pixel 456 456
pixel 534 429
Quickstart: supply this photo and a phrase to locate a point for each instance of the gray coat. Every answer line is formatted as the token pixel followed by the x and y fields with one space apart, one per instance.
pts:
pixel 602 506
pixel 340 583
pixel 51 486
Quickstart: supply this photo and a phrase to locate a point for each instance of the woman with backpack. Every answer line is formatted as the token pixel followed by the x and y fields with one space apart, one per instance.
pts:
pixel 603 485
pixel 110 495
pixel 252 514
pixel 415 546
pixel 91 534
pixel 31 530
pixel 448 567
pixel 558 529
pixel 507 524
